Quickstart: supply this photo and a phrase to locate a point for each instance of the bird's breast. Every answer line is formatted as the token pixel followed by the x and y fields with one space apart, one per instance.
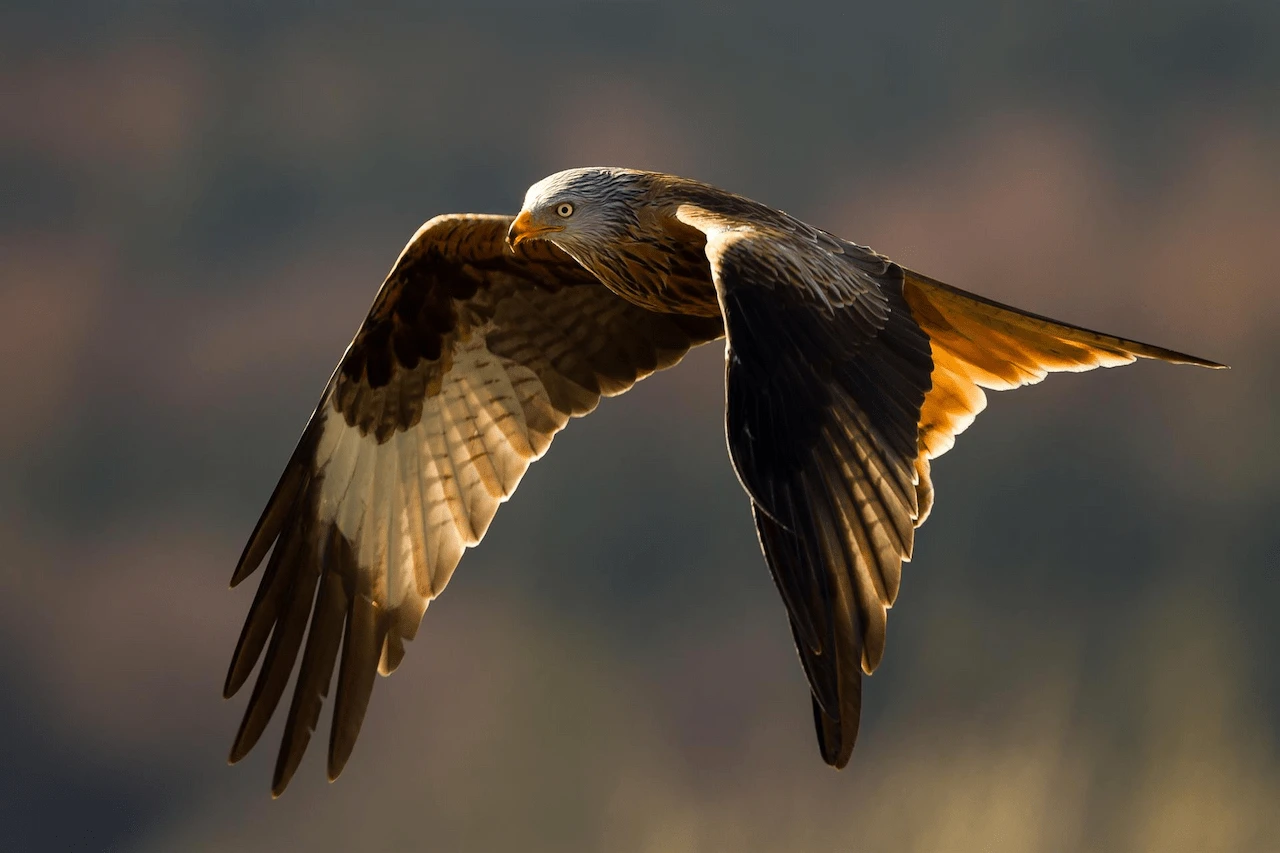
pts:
pixel 670 277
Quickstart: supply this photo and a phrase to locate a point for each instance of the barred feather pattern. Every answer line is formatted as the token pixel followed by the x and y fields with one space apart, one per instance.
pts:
pixel 473 357
pixel 846 374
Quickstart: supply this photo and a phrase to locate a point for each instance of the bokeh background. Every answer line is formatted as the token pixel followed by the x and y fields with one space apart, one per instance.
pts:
pixel 199 202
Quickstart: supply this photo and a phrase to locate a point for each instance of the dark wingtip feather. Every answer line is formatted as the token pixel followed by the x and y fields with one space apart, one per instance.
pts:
pixel 837 736
pixel 263 614
pixel 273 517
pixel 361 649
pixel 316 671
pixel 286 639
pixel 1175 357
pixel 829 738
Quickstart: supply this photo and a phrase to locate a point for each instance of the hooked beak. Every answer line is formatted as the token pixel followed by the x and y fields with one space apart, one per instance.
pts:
pixel 524 228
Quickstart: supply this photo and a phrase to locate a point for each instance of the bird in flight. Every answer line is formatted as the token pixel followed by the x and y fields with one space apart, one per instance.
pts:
pixel 845 375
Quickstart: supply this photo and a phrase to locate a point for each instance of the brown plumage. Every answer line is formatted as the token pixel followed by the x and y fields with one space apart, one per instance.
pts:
pixel 846 374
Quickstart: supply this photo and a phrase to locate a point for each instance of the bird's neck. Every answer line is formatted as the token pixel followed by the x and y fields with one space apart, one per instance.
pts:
pixel 662 266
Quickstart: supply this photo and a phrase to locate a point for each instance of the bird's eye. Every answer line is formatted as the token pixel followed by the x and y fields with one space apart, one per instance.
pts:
pixel 564 209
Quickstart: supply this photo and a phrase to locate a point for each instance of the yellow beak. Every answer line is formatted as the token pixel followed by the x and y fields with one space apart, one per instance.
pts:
pixel 524 228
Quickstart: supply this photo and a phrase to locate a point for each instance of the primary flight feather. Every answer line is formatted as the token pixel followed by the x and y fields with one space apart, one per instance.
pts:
pixel 845 375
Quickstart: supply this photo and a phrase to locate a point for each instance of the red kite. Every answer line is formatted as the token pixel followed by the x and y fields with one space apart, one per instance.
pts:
pixel 845 375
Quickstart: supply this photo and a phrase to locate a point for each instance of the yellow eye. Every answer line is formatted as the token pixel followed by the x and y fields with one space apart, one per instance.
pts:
pixel 564 209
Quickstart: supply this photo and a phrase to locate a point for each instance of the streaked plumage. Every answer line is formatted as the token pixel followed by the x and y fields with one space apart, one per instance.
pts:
pixel 845 375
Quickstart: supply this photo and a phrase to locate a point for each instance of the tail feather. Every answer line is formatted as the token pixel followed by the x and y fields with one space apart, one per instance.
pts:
pixel 978 343
pixel 1051 344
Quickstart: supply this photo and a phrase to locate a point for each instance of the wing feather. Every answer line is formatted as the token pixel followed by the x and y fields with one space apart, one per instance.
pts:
pixel 316 671
pixel 298 565
pixel 826 374
pixel 471 359
pixel 846 375
pixel 361 649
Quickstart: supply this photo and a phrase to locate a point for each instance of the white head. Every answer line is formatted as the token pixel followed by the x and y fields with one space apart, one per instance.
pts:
pixel 580 209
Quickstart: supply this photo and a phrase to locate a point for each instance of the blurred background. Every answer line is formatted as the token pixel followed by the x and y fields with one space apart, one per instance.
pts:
pixel 199 202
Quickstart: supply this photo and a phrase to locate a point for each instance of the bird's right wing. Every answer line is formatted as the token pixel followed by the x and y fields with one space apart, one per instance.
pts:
pixel 472 357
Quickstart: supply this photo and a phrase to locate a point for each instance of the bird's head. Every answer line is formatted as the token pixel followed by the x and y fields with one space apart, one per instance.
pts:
pixel 579 209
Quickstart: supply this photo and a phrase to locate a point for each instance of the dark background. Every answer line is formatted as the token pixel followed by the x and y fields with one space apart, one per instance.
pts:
pixel 199 202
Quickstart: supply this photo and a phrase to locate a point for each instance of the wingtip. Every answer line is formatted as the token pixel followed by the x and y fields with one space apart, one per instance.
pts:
pixel 243 570
pixel 252 555
pixel 235 678
pixel 1175 357
pixel 237 675
pixel 835 748
pixel 338 758
pixel 249 733
pixel 1196 361
pixel 286 766
pixel 278 787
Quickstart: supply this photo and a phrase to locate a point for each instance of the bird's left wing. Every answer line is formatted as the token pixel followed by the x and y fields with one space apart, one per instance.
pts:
pixel 472 357
pixel 846 374
pixel 826 374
